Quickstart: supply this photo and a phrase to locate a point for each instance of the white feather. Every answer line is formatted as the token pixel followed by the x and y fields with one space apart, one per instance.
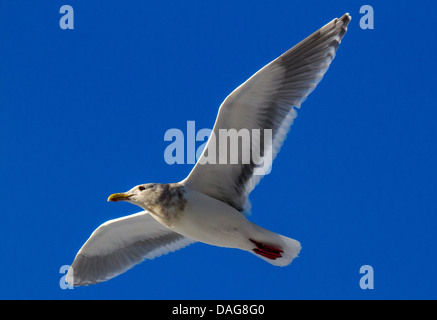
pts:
pixel 118 245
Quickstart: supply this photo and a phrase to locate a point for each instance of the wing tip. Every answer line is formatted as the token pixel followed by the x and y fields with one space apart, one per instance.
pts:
pixel 346 18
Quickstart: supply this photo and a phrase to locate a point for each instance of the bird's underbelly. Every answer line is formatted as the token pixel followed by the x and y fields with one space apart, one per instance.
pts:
pixel 214 222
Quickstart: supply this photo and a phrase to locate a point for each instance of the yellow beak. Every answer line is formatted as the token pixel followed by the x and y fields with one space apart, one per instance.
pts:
pixel 118 197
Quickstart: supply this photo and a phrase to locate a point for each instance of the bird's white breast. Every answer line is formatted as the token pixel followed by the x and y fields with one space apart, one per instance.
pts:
pixel 212 221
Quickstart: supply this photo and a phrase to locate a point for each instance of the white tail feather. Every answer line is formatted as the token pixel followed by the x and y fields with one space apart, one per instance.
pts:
pixel 290 248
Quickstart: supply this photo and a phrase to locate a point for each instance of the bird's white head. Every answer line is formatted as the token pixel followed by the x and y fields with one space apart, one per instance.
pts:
pixel 140 195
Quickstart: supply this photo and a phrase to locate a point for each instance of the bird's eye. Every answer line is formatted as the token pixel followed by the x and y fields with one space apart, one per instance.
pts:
pixel 142 188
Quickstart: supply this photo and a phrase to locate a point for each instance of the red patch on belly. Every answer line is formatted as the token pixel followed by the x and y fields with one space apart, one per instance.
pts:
pixel 266 251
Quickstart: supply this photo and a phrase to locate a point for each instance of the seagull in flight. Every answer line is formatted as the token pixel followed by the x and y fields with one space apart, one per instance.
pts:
pixel 209 205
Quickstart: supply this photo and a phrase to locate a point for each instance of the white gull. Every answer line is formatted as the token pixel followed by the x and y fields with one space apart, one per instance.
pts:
pixel 208 205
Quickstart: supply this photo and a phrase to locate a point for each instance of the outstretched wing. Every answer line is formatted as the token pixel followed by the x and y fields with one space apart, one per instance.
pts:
pixel 265 101
pixel 118 245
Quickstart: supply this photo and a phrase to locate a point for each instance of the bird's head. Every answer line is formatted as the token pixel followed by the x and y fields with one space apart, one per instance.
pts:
pixel 140 195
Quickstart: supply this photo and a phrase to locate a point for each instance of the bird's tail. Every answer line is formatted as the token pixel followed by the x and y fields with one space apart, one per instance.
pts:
pixel 274 248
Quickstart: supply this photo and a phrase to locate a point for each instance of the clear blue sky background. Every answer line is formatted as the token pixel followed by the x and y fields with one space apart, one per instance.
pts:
pixel 83 114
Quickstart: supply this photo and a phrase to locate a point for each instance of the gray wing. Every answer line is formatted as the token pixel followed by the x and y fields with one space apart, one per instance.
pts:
pixel 267 100
pixel 118 245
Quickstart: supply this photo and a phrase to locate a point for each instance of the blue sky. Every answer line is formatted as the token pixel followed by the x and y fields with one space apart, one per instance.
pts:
pixel 83 114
